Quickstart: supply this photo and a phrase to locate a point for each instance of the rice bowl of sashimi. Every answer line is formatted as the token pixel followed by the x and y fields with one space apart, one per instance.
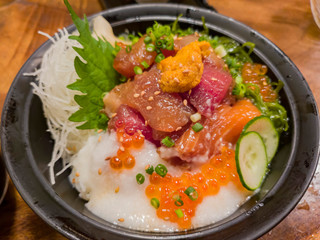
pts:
pixel 165 126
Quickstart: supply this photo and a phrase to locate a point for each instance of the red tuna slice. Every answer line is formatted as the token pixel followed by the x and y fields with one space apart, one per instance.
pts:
pixel 131 120
pixel 168 53
pixel 163 111
pixel 213 87
pixel 124 62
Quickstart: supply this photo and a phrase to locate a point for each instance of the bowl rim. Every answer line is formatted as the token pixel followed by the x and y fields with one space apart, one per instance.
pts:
pixel 69 232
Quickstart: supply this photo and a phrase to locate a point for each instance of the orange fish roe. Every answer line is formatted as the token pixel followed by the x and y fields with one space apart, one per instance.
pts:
pixel 173 193
pixel 124 159
pixel 255 73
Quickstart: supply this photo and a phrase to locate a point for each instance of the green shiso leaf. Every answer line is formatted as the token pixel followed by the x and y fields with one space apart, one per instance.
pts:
pixel 96 75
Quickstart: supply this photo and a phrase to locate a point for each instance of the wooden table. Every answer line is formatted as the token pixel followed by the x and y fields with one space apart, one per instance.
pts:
pixel 289 24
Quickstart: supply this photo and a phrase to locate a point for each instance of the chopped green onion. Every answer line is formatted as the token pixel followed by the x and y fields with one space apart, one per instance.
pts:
pixel 147 40
pixel 145 64
pixel 159 58
pixel 128 48
pixel 161 170
pixel 117 47
pixel 150 170
pixel 137 70
pixel 197 127
pixel 160 43
pixel 238 79
pixel 191 193
pixel 134 39
pixel 140 178
pixel 123 78
pixel 167 141
pixel 150 47
pixel 195 117
pixel 155 202
pixel 220 51
pixel 178 202
pixel 179 213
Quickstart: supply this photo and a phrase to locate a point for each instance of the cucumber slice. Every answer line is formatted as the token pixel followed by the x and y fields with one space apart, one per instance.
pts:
pixel 264 126
pixel 251 160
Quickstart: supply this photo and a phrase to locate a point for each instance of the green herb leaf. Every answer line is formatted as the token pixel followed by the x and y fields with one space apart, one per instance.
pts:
pixel 96 75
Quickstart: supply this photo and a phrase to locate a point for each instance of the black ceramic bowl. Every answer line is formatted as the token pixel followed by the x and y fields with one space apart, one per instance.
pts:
pixel 27 146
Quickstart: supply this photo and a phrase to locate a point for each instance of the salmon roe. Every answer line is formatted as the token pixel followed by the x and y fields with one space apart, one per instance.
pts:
pixel 170 191
pixel 128 139
pixel 256 73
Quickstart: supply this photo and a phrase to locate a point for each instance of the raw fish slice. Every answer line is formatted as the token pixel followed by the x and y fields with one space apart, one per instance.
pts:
pixel 131 120
pixel 162 111
pixel 213 87
pixel 224 127
pixel 125 62
pixel 178 44
pixel 181 42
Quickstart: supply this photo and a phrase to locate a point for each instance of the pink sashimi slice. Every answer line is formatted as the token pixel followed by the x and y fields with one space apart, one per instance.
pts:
pixel 212 89
pixel 131 120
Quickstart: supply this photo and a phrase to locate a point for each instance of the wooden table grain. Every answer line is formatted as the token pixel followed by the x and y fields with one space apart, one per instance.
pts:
pixel 289 24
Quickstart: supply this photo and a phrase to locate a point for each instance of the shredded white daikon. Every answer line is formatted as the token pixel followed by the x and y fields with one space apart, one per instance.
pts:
pixel 56 72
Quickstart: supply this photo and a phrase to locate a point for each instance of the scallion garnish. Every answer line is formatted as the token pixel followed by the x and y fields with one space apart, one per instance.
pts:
pixel 159 58
pixel 140 178
pixel 179 213
pixel 150 47
pixel 161 170
pixel 167 141
pixel 150 170
pixel 147 40
pixel 137 70
pixel 117 47
pixel 155 202
pixel 145 64
pixel 178 202
pixel 123 78
pixel 128 48
pixel 197 127
pixel 191 193
pixel 134 39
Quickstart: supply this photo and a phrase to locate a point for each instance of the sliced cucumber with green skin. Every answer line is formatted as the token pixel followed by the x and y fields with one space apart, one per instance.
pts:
pixel 264 126
pixel 251 160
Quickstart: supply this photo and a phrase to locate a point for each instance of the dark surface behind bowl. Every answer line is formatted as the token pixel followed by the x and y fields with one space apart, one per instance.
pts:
pixel 27 146
pixel 4 180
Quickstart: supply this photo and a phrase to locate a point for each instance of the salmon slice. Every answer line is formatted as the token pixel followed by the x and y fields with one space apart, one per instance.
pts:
pixel 223 128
